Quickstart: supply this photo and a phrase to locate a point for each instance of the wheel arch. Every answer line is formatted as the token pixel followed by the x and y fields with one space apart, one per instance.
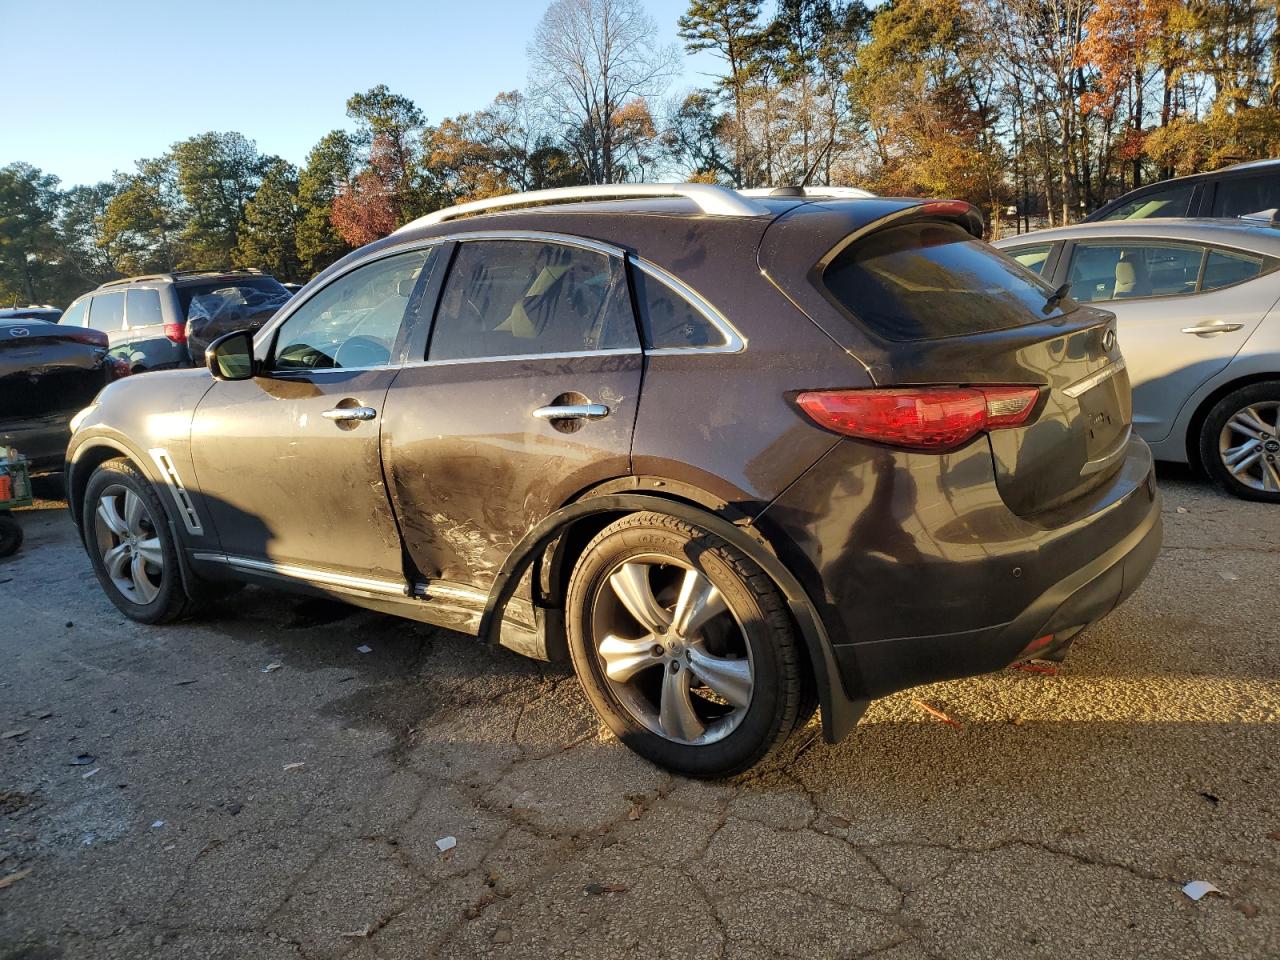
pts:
pixel 566 531
pixel 87 457
pixel 1201 413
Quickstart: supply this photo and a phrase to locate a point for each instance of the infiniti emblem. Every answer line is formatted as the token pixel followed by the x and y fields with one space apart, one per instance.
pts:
pixel 1109 340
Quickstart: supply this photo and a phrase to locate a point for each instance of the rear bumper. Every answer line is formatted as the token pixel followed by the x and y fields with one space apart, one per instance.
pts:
pixel 920 572
pixel 1075 601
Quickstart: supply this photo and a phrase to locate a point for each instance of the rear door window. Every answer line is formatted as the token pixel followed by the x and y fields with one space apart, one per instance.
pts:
pixel 1127 271
pixel 1159 203
pixel 143 308
pixel 924 280
pixel 1223 268
pixel 1237 196
pixel 507 298
pixel 107 312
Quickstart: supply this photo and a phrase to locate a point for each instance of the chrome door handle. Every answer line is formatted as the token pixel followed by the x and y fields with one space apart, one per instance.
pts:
pixel 572 411
pixel 350 413
pixel 1204 328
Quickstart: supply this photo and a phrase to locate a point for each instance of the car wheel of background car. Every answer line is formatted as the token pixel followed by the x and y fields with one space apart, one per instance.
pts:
pixel 130 546
pixel 10 534
pixel 684 647
pixel 1240 442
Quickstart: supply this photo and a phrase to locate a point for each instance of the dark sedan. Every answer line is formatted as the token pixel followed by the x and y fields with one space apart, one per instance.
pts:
pixel 47 373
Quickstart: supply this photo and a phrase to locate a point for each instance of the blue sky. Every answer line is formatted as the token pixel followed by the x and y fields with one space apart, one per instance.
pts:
pixel 93 86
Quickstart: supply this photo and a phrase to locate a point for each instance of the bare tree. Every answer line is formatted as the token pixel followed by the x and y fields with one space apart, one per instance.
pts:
pixel 590 61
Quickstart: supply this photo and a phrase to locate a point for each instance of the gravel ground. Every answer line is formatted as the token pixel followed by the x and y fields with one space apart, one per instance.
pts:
pixel 168 798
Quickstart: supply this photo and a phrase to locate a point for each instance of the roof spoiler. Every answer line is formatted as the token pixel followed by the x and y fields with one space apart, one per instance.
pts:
pixel 1269 217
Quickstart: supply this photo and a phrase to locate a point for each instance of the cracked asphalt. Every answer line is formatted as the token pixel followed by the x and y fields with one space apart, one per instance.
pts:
pixel 222 811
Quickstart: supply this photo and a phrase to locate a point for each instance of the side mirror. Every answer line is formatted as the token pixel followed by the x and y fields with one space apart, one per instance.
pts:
pixel 230 357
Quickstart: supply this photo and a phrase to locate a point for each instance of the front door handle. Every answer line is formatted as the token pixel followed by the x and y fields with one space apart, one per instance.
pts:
pixel 572 411
pixel 350 413
pixel 1203 329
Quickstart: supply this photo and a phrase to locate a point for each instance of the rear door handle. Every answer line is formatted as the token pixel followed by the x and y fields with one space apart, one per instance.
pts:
pixel 572 411
pixel 350 413
pixel 1210 328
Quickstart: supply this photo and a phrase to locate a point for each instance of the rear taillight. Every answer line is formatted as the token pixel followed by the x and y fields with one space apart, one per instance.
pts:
pixel 117 368
pixel 934 419
pixel 94 338
pixel 176 332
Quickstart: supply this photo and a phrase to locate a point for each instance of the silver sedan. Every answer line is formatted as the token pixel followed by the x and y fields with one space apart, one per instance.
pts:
pixel 1196 313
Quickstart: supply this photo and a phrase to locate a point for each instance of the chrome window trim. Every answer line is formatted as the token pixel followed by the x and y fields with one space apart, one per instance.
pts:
pixel 292 571
pixel 735 342
pixel 525 357
pixel 543 236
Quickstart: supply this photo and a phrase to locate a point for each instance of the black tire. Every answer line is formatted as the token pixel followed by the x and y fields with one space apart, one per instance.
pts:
pixel 781 697
pixel 1267 394
pixel 10 534
pixel 171 601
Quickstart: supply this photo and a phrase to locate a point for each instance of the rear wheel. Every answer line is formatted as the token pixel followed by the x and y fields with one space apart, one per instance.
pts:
pixel 130 546
pixel 684 647
pixel 1240 442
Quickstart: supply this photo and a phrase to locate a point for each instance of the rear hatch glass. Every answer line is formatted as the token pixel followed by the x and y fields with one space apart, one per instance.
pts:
pixel 954 310
pixel 929 279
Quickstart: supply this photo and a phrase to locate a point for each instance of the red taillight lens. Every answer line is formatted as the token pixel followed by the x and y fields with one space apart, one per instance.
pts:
pixel 94 338
pixel 920 418
pixel 117 368
pixel 176 332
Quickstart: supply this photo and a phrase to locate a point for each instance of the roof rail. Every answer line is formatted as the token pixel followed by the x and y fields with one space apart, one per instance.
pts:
pixel 175 274
pixel 710 199
pixel 127 280
pixel 834 193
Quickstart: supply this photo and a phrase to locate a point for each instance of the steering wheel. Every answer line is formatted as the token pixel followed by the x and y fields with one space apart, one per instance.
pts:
pixel 362 352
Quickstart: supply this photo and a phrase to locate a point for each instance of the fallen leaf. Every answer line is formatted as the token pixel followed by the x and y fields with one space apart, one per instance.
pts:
pixel 272 667
pixel 596 889
pixel 184 683
pixel 1274 835
pixel 13 878
pixel 16 732
pixel 503 935
pixel 1250 910
pixel 636 811
pixel 83 760
pixel 934 711
pixel 293 766
pixel 362 932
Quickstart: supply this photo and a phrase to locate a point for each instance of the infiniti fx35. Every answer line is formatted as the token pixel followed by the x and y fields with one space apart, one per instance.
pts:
pixel 734 457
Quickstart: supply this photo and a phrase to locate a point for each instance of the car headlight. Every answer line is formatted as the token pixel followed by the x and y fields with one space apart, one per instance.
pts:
pixel 79 418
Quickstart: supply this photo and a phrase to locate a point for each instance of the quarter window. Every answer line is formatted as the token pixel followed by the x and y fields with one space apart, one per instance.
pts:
pixel 1222 269
pixel 1128 271
pixel 355 320
pixel 106 312
pixel 1033 258
pixel 508 298
pixel 144 308
pixel 669 320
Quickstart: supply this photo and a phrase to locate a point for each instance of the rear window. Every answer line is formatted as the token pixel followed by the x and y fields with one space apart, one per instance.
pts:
pixel 246 298
pixel 925 280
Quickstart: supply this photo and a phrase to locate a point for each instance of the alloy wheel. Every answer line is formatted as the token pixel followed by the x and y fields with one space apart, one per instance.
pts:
pixel 129 544
pixel 672 652
pixel 1249 445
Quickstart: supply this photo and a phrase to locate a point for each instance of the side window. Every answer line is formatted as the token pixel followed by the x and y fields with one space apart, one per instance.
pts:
pixel 1161 203
pixel 142 308
pixel 669 320
pixel 1126 271
pixel 76 314
pixel 106 312
pixel 355 320
pixel 1033 258
pixel 1222 269
pixel 508 298
pixel 1237 196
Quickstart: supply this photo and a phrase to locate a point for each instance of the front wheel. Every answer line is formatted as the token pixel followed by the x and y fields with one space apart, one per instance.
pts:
pixel 130 547
pixel 684 647
pixel 1240 442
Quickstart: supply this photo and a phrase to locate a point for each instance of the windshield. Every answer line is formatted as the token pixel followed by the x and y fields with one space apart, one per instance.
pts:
pixel 244 298
pixel 926 279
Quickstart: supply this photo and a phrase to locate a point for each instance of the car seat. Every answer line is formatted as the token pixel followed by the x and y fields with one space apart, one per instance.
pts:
pixel 1131 277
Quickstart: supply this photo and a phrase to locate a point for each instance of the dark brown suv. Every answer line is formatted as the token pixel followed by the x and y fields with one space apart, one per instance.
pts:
pixel 735 456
